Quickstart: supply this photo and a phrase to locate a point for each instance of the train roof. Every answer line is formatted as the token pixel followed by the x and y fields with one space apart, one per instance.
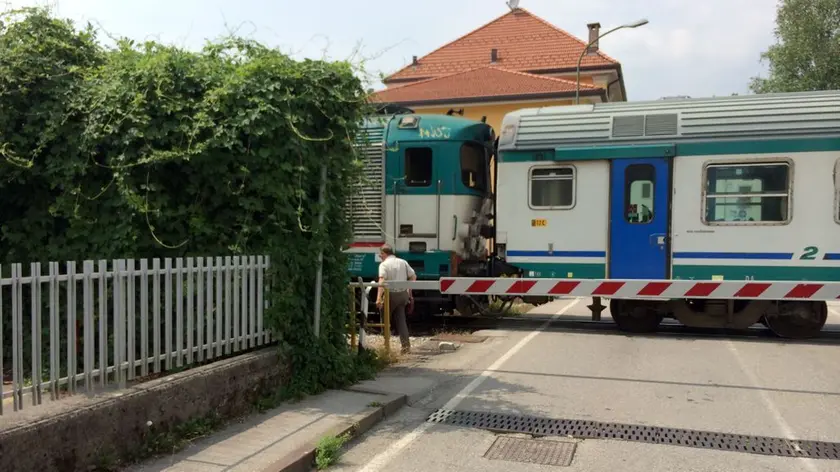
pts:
pixel 767 116
pixel 433 127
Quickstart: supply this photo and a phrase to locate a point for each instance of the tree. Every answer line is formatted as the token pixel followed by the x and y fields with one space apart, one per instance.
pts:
pixel 806 55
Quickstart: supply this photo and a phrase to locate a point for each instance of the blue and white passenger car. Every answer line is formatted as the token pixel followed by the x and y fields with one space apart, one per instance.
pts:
pixel 734 188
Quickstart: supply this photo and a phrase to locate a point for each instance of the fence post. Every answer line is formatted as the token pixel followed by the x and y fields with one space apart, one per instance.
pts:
pixel 17 339
pixel 87 324
pixel 72 332
pixel 322 195
pixel 35 320
pixel 120 353
pixel 352 312
pixel 386 320
pixel 365 301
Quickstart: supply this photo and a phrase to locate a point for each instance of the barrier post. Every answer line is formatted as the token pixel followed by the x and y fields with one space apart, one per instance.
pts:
pixel 353 347
pixel 386 320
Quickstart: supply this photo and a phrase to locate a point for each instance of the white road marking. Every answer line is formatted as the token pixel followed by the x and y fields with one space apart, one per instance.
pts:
pixel 785 428
pixel 386 456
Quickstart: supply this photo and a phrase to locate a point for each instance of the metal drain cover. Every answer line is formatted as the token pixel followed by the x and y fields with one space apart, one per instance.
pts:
pixel 502 423
pixel 532 451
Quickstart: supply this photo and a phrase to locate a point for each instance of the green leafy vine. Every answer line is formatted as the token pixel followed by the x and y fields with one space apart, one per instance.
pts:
pixel 148 150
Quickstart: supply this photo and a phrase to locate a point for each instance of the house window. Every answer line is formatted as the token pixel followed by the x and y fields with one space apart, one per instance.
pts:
pixel 743 194
pixel 418 167
pixel 474 166
pixel 553 188
pixel 639 182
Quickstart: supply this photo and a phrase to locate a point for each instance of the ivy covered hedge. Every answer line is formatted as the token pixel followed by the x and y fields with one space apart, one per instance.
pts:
pixel 148 150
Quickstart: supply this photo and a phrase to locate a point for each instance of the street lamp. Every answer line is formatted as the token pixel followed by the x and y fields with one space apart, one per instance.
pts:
pixel 641 22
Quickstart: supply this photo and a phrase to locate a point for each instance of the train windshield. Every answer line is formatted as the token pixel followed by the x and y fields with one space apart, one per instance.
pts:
pixel 474 172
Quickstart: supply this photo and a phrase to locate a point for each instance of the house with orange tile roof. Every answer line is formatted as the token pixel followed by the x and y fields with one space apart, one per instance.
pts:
pixel 516 61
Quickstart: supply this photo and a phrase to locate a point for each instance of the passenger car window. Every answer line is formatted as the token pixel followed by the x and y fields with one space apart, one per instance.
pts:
pixel 552 187
pixel 639 183
pixel 747 193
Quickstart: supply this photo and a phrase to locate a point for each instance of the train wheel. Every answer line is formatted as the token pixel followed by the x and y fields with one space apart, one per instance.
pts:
pixel 635 316
pixel 797 320
pixel 466 306
pixel 497 307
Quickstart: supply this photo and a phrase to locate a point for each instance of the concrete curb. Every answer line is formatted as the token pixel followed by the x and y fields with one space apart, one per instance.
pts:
pixel 303 458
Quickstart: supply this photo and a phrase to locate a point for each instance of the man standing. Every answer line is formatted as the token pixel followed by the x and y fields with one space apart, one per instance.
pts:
pixel 394 269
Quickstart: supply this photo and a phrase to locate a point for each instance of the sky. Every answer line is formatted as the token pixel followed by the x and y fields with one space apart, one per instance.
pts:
pixel 689 47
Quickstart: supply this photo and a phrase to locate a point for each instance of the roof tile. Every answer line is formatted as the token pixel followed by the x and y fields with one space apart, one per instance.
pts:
pixel 482 82
pixel 524 42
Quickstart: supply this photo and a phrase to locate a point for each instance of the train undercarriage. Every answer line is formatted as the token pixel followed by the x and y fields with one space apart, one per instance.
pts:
pixel 787 319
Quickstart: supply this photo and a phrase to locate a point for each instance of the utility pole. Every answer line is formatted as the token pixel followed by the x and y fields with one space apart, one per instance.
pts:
pixel 593 41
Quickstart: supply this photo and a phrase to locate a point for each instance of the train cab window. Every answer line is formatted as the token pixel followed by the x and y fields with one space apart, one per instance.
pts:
pixel 552 188
pixel 639 182
pixel 418 167
pixel 474 166
pixel 747 193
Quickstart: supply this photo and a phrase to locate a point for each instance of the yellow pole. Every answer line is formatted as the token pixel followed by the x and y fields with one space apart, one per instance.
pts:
pixel 386 319
pixel 352 318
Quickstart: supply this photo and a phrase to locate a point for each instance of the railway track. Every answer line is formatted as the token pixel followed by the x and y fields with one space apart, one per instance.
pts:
pixel 669 328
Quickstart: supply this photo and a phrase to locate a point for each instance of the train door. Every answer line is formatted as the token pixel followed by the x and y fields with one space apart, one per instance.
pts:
pixel 639 218
pixel 417 194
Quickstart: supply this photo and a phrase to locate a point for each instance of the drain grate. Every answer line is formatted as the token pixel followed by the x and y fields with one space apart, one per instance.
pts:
pixel 502 423
pixel 532 451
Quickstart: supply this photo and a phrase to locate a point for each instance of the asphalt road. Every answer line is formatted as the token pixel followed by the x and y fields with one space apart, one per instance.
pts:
pixel 746 386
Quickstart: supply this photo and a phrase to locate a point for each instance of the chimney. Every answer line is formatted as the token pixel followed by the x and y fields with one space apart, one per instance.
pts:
pixel 594 31
pixel 494 55
pixel 414 60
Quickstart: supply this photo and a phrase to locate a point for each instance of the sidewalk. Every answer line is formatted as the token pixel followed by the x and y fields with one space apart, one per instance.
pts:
pixel 284 439
pixel 277 439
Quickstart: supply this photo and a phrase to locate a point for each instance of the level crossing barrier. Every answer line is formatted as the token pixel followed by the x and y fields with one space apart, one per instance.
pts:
pixel 643 289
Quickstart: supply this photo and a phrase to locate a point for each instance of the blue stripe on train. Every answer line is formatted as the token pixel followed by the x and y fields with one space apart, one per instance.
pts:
pixel 829 256
pixel 734 255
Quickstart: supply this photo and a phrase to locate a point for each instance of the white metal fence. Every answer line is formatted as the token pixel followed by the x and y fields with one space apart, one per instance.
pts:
pixel 122 320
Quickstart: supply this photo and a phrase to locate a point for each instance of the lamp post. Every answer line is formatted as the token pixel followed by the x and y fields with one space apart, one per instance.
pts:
pixel 585 49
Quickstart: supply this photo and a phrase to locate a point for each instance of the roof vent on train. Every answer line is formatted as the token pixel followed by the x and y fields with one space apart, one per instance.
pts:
pixel 409 122
pixel 634 126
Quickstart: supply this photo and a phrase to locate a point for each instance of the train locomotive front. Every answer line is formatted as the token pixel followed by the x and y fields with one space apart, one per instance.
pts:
pixel 426 192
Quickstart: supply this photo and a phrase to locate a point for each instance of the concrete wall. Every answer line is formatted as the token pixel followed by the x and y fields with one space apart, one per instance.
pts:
pixel 115 425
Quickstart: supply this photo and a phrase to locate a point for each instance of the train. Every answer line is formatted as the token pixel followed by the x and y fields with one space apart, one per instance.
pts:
pixel 720 188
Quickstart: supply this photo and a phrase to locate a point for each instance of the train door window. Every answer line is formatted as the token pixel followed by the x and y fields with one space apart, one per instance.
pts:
pixel 747 193
pixel 837 191
pixel 552 188
pixel 474 166
pixel 639 182
pixel 418 167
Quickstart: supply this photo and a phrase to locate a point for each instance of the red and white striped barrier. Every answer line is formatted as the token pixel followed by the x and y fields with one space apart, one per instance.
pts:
pixel 642 289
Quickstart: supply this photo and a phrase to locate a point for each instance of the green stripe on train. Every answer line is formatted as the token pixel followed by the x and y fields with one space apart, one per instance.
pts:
pixel 684 149
pixel 704 272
